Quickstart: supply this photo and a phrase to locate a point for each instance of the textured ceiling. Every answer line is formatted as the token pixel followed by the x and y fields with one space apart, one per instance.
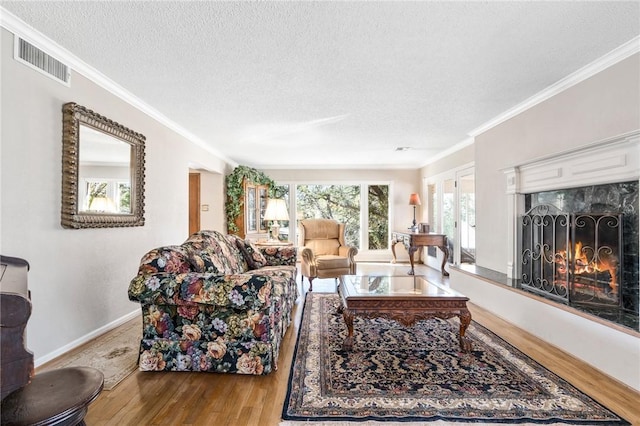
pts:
pixel 306 84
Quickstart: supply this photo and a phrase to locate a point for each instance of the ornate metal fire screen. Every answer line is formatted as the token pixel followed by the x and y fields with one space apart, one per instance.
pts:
pixel 573 258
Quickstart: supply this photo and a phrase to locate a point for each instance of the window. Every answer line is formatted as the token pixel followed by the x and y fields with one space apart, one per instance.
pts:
pixel 362 207
pixel 105 196
pixel 339 202
pixel 378 216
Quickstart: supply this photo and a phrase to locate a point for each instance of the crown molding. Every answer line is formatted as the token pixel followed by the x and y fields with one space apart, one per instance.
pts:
pixel 620 53
pixel 449 151
pixel 18 27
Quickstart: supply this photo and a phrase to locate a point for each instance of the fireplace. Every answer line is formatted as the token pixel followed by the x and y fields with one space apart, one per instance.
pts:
pixel 574 229
pixel 588 260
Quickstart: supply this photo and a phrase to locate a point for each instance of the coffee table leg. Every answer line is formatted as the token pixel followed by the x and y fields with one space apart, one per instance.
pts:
pixel 348 320
pixel 465 320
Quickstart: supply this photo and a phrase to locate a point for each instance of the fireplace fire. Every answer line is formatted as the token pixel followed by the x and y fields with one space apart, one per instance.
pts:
pixel 573 258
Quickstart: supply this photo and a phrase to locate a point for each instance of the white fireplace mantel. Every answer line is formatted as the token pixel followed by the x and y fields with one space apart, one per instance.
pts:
pixel 609 161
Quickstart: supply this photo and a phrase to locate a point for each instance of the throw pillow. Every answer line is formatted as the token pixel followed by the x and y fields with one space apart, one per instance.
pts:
pixel 252 254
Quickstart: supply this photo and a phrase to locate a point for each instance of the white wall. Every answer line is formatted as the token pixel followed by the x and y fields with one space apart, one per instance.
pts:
pixel 212 195
pixel 601 107
pixel 79 278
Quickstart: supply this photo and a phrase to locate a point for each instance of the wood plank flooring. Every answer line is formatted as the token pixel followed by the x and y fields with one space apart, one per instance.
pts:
pixel 234 400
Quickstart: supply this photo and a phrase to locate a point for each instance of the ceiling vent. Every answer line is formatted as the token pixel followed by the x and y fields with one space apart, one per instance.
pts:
pixel 37 59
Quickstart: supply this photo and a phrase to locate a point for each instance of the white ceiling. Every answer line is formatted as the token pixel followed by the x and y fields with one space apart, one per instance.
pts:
pixel 311 84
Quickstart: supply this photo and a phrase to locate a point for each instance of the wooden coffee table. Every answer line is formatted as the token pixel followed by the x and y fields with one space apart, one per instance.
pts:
pixel 405 299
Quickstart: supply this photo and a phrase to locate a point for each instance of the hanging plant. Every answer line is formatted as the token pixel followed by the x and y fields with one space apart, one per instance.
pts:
pixel 235 191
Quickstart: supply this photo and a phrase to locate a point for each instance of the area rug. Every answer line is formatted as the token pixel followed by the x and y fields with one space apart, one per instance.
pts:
pixel 115 355
pixel 418 374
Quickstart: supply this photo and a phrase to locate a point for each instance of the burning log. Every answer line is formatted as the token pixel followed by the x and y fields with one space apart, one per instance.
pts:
pixel 600 280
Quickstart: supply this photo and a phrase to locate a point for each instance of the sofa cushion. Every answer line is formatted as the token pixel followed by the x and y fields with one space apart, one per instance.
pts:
pixel 213 252
pixel 252 254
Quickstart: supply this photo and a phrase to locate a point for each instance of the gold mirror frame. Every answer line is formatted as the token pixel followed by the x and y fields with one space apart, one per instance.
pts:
pixel 73 116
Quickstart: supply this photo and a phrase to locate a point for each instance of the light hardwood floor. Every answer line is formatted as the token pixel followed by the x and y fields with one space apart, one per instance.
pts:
pixel 221 399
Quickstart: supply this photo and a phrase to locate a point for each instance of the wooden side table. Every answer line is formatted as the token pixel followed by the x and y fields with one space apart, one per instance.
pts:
pixel 55 397
pixel 414 241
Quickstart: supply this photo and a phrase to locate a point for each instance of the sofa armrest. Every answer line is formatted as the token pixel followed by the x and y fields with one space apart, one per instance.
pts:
pixel 280 255
pixel 237 291
pixel 161 288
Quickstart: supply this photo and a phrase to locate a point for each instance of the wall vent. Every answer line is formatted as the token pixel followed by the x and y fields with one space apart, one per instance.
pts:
pixel 37 59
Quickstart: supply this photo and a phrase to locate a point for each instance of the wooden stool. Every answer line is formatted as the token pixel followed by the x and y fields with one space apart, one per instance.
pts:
pixel 59 397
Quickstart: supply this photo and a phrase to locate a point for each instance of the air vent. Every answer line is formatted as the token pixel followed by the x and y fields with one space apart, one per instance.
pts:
pixel 30 55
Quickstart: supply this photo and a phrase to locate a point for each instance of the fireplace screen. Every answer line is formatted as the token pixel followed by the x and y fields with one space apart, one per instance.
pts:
pixel 573 258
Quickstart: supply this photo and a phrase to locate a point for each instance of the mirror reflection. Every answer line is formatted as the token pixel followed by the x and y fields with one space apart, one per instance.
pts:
pixel 104 173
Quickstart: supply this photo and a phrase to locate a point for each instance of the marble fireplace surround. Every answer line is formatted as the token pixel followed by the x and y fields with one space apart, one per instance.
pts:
pixel 610 161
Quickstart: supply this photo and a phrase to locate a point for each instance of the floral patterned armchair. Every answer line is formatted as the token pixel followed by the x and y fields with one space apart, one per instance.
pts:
pixel 215 303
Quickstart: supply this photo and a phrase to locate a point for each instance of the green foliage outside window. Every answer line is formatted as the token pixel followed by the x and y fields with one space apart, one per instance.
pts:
pixel 339 202
pixel 378 217
pixel 125 197
pixel 342 203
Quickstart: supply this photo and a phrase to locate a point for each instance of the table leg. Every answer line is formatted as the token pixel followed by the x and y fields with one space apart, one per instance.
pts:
pixel 445 250
pixel 412 251
pixel 465 320
pixel 348 320
pixel 393 250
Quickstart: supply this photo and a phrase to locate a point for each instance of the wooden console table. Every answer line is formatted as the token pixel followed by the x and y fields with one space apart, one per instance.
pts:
pixel 417 240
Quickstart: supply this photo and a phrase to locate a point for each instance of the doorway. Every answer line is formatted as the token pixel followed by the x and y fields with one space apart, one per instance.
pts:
pixel 451 209
pixel 194 203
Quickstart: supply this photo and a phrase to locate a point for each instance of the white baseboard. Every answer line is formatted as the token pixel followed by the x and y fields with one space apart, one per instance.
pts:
pixel 87 337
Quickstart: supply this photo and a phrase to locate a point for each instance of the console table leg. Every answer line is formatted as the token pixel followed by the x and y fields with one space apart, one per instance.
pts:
pixel 393 250
pixel 445 251
pixel 412 251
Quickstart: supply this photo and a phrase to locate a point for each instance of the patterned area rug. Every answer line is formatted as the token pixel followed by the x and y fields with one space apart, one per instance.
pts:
pixel 115 355
pixel 418 374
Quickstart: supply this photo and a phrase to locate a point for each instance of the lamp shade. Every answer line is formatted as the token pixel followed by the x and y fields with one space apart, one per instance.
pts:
pixel 414 200
pixel 102 204
pixel 276 210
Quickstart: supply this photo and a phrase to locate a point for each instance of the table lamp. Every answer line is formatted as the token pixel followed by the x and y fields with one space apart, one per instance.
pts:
pixel 414 200
pixel 276 211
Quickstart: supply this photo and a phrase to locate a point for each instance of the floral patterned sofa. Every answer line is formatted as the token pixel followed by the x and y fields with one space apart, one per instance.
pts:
pixel 215 303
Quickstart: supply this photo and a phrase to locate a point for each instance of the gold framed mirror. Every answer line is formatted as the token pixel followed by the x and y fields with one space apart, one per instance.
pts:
pixel 102 171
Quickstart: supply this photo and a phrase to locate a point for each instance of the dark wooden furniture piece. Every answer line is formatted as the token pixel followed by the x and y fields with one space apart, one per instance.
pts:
pixel 405 299
pixel 414 241
pixel 250 222
pixel 16 362
pixel 56 397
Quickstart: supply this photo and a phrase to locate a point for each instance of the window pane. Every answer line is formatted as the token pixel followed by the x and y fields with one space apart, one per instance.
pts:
pixel 448 215
pixel 124 195
pixel 378 217
pixel 339 202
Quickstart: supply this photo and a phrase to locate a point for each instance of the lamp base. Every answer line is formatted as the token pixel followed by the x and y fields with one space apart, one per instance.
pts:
pixel 275 232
